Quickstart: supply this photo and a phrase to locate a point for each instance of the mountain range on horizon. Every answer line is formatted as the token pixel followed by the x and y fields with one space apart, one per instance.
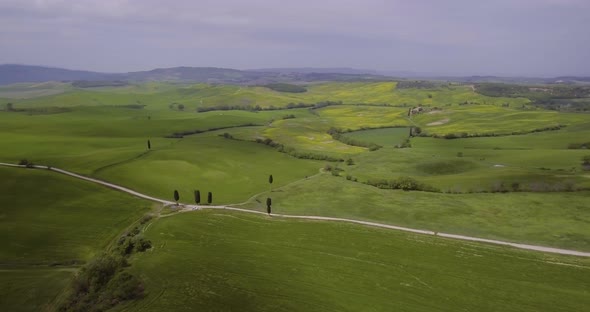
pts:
pixel 17 73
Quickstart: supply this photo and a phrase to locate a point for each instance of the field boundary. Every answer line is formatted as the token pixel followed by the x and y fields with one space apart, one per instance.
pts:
pixel 318 218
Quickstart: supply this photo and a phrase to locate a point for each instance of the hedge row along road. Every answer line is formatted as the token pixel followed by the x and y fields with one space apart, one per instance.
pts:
pixel 366 223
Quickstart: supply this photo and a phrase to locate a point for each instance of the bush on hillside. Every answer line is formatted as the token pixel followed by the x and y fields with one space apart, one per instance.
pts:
pixel 101 284
pixel 402 183
pixel 26 163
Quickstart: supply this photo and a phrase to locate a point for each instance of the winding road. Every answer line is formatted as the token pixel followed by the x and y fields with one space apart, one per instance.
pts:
pixel 366 223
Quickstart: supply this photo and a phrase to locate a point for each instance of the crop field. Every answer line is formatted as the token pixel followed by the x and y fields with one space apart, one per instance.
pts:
pixel 232 170
pixel 488 119
pixel 49 225
pixel 489 167
pixel 540 218
pixel 161 95
pixel 384 137
pixel 227 261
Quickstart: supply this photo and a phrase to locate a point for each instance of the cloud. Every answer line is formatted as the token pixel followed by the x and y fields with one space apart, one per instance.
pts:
pixel 458 36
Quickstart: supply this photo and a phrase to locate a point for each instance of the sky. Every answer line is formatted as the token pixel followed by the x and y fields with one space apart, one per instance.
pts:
pixel 446 37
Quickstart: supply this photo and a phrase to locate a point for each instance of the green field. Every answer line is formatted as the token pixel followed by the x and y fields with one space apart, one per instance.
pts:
pixel 161 95
pixel 49 225
pixel 543 219
pixel 232 170
pixel 509 173
pixel 384 137
pixel 224 261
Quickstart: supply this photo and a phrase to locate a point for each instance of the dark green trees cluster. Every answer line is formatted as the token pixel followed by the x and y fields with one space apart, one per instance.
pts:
pixel 197 195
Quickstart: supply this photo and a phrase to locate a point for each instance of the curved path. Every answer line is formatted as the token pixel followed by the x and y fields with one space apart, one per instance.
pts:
pixel 373 224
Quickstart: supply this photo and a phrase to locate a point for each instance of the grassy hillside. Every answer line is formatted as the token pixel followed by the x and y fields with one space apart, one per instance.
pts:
pixel 161 95
pixel 505 170
pixel 49 225
pixel 224 261
pixel 233 170
pixel 384 137
pixel 536 218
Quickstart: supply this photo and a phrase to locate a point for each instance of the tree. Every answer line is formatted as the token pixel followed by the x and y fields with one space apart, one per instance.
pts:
pixel 149 144
pixel 586 162
pixel 209 198
pixel 270 179
pixel 176 197
pixel 268 203
pixel 9 107
pixel 197 197
pixel 180 106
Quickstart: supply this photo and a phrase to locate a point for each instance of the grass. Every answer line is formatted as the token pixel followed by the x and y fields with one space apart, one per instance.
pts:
pixel 31 289
pixel 486 119
pixel 160 95
pixel 49 225
pixel 226 261
pixel 383 137
pixel 552 219
pixel 353 117
pixel 32 90
pixel 49 218
pixel 232 170
pixel 87 139
pixel 203 258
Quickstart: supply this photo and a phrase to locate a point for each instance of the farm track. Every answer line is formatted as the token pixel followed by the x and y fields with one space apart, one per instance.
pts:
pixel 317 218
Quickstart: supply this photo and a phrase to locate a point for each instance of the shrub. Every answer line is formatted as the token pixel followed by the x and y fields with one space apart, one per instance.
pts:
pixel 124 286
pixel 142 244
pixel 515 186
pixel 102 284
pixel 402 183
pixel 146 218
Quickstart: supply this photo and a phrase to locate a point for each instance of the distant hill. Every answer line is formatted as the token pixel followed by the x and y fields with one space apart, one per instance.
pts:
pixel 11 73
pixel 316 70
pixel 196 74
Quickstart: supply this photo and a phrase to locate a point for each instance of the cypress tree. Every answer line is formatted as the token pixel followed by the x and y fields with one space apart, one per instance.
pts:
pixel 270 179
pixel 197 197
pixel 176 196
pixel 268 203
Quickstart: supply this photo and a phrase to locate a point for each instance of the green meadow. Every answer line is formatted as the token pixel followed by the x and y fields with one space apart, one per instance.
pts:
pixel 226 261
pixel 51 224
pixel 552 219
pixel 506 170
pixel 384 137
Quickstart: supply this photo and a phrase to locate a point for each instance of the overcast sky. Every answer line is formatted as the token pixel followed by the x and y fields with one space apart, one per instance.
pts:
pixel 459 37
